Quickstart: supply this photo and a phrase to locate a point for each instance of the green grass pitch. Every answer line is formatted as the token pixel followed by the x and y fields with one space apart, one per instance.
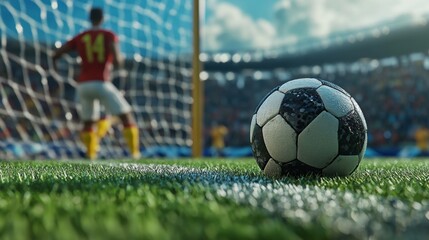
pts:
pixel 210 199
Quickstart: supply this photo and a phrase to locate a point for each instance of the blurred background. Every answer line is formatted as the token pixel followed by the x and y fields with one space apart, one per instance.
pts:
pixel 377 51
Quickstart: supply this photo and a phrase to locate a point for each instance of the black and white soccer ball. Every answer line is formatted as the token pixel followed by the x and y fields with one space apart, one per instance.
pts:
pixel 308 126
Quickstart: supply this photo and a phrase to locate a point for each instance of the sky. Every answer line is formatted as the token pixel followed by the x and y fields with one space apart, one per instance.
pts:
pixel 256 24
pixel 228 25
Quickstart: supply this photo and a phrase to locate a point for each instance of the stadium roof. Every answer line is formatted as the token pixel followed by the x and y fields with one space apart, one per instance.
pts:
pixel 398 42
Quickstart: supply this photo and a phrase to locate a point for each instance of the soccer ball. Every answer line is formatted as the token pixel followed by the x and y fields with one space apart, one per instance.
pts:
pixel 308 126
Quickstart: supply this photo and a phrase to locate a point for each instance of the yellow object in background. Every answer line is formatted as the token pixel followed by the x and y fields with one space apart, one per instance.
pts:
pixel 131 135
pixel 90 141
pixel 422 138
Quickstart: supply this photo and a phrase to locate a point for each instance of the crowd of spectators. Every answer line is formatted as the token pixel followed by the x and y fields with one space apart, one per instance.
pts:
pixel 392 93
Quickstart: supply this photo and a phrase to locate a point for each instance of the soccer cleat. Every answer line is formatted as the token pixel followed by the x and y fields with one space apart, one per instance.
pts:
pixel 136 156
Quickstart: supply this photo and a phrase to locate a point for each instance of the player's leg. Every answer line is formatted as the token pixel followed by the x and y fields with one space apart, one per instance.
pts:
pixel 89 138
pixel 116 104
pixel 103 126
pixel 89 112
pixel 131 134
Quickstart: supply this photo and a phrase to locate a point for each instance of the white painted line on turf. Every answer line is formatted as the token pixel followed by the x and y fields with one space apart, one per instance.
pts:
pixel 348 213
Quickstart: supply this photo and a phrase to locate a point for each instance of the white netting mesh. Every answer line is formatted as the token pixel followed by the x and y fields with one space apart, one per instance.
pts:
pixel 38 114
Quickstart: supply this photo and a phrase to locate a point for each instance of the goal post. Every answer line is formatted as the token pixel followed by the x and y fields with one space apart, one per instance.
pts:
pixel 160 40
pixel 197 93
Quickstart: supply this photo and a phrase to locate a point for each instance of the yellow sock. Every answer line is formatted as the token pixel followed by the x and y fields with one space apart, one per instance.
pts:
pixel 103 126
pixel 131 135
pixel 90 141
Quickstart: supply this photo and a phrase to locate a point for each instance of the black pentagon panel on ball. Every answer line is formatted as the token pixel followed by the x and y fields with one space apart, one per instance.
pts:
pixel 297 168
pixel 351 134
pixel 301 106
pixel 334 86
pixel 264 98
pixel 259 149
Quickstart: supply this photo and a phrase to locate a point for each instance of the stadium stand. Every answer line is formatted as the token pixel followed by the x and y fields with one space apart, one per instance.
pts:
pixel 389 82
pixel 392 98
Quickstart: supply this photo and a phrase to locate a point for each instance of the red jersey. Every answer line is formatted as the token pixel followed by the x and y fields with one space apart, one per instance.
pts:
pixel 94 49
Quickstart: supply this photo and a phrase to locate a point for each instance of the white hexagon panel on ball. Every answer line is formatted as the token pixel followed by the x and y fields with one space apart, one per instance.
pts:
pixel 280 139
pixel 362 152
pixel 300 83
pixel 252 126
pixel 269 108
pixel 359 111
pixel 342 166
pixel 273 169
pixel 318 142
pixel 335 101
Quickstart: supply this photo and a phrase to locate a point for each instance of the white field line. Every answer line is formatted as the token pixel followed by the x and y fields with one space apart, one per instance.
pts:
pixel 342 211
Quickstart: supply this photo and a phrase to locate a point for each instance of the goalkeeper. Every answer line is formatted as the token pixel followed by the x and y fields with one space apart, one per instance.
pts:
pixel 98 49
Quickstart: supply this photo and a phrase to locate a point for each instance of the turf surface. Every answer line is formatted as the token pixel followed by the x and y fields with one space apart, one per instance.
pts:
pixel 210 199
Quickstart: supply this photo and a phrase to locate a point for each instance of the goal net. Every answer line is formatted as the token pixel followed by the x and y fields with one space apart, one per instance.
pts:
pixel 38 112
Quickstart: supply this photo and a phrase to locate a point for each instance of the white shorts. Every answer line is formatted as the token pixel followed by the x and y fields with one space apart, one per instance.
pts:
pixel 91 94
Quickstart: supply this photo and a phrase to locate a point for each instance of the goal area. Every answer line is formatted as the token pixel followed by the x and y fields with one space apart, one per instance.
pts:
pixel 38 112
